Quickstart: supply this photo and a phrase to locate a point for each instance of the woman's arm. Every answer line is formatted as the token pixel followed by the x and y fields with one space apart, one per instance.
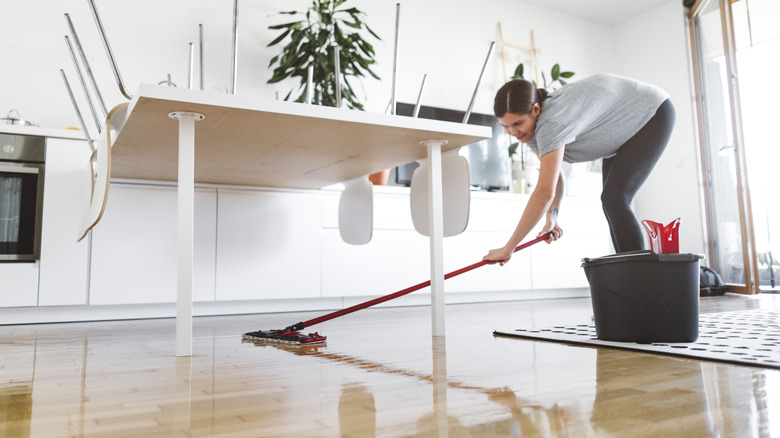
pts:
pixel 552 212
pixel 545 195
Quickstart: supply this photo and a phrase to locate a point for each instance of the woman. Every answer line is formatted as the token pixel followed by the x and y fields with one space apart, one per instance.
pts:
pixel 625 122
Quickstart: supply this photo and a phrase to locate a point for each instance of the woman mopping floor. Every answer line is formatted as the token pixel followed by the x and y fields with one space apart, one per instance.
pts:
pixel 625 122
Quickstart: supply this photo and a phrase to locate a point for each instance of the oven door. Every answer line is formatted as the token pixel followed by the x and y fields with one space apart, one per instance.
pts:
pixel 21 205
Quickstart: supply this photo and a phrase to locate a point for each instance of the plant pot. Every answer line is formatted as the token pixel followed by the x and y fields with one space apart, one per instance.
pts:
pixel 379 178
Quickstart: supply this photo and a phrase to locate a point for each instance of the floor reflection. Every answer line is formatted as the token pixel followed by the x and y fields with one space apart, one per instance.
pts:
pixel 17 378
pixel 357 411
pixel 182 400
pixel 635 395
pixel 15 409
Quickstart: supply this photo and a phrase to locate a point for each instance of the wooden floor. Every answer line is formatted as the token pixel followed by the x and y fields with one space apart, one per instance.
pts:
pixel 381 374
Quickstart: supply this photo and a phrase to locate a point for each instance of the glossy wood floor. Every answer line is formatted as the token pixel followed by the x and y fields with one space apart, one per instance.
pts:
pixel 381 374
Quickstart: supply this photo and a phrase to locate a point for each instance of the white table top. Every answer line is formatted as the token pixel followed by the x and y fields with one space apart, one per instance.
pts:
pixel 271 143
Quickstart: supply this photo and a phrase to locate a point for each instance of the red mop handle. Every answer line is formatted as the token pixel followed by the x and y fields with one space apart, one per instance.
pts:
pixel 400 293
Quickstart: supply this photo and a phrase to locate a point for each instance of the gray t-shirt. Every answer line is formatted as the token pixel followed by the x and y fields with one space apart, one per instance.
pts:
pixel 593 117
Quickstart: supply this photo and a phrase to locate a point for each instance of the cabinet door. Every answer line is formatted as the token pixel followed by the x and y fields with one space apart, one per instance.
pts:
pixel 469 248
pixel 134 246
pixel 64 261
pixel 268 244
pixel 18 284
pixel 586 234
pixel 493 218
pixel 393 260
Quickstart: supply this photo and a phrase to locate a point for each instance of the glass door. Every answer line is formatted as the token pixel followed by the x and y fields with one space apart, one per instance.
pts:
pixel 731 249
pixel 757 41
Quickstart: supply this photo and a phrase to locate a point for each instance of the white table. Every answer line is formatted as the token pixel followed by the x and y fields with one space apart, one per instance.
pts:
pixel 229 139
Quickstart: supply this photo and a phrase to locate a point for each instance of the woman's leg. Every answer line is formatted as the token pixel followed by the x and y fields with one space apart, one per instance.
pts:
pixel 625 172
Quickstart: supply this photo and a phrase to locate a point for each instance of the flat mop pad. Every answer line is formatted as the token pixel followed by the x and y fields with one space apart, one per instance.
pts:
pixel 286 337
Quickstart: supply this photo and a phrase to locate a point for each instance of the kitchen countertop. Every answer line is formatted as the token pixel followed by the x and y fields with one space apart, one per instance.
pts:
pixel 42 132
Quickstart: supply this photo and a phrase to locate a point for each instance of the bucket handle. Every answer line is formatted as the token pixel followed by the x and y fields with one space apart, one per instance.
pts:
pixel 652 227
pixel 672 225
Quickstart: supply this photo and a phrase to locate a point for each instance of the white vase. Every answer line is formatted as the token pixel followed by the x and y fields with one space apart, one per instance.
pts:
pixel 524 177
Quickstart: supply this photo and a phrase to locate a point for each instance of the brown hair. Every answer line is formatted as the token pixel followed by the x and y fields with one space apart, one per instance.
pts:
pixel 518 96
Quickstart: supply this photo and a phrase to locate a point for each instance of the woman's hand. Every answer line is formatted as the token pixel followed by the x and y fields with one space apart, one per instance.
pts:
pixel 556 233
pixel 499 255
pixel 551 226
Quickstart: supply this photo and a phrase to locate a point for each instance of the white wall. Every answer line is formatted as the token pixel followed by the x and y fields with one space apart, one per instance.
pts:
pixel 446 39
pixel 652 48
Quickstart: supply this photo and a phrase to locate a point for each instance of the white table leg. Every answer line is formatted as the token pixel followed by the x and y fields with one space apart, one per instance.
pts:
pixel 184 229
pixel 436 227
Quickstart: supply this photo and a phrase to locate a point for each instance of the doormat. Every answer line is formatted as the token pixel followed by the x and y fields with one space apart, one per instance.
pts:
pixel 747 337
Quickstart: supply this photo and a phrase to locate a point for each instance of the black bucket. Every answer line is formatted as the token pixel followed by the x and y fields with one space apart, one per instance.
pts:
pixel 644 297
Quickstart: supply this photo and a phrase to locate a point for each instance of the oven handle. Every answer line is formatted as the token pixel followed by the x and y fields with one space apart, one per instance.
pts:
pixel 20 169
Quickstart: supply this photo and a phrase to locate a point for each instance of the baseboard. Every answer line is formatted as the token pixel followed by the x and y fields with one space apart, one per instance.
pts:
pixel 59 314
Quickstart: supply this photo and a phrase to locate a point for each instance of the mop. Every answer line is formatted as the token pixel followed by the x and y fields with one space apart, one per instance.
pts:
pixel 293 335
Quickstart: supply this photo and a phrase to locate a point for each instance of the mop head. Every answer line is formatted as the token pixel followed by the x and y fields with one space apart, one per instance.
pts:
pixel 286 337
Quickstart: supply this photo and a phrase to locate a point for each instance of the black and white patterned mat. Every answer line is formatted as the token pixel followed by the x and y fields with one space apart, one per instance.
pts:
pixel 748 337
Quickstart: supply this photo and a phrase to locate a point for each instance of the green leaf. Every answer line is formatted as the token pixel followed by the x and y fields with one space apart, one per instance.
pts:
pixel 567 74
pixel 518 72
pixel 555 73
pixel 284 26
pixel 277 77
pixel 338 36
pixel 352 11
pixel 353 24
pixel 367 48
pixel 279 38
pixel 373 33
pixel 513 148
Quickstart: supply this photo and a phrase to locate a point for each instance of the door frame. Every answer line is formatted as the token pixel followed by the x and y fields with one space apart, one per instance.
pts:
pixel 750 257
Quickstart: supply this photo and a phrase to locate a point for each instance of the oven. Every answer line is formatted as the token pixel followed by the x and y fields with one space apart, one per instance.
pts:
pixel 22 160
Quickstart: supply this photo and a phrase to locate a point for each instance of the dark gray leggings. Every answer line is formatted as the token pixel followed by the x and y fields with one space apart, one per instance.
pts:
pixel 625 172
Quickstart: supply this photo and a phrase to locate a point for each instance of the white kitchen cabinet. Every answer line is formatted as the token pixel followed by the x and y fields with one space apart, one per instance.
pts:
pixel 492 219
pixel 396 257
pixel 255 244
pixel 64 261
pixel 469 248
pixel 391 208
pixel 134 246
pixel 585 234
pixel 18 284
pixel 393 260
pixel 268 244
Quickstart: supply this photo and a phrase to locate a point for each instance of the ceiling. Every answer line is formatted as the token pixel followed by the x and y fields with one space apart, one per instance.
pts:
pixel 610 12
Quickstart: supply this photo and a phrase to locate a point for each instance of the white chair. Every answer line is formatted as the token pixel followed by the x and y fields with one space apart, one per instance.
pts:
pixel 98 169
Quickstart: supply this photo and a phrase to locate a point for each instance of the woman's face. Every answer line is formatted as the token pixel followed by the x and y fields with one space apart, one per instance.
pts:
pixel 521 126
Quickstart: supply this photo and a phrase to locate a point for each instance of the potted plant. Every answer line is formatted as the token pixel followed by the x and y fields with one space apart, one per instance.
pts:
pixel 310 42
